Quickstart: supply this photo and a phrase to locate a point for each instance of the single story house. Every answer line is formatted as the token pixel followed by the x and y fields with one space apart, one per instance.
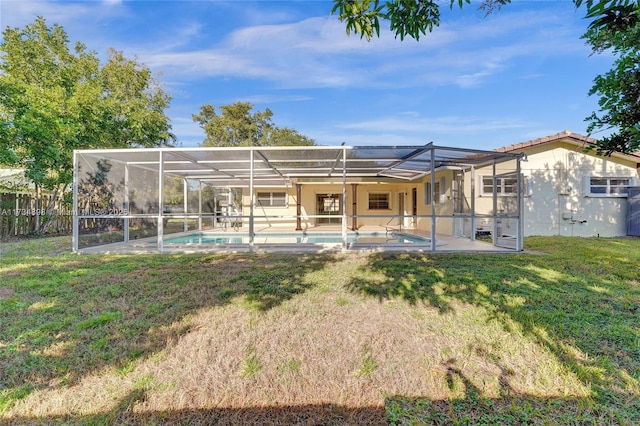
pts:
pixel 447 198
pixel 571 190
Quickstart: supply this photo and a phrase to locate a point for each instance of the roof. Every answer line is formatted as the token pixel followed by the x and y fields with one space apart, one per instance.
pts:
pixel 585 142
pixel 275 166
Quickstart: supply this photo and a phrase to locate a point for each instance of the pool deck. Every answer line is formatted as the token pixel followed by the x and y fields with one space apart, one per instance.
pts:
pixel 444 244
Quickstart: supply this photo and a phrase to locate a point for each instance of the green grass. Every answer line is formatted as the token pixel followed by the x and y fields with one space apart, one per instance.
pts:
pixel 251 365
pixel 368 364
pixel 549 336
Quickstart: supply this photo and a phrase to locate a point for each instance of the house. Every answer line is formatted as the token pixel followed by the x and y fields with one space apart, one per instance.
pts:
pixel 571 190
pixel 452 198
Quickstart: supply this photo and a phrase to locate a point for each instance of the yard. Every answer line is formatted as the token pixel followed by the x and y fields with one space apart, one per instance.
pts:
pixel 549 336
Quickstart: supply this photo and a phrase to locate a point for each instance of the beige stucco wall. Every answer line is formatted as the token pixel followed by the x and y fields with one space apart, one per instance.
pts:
pixel 554 202
pixel 557 202
pixel 309 192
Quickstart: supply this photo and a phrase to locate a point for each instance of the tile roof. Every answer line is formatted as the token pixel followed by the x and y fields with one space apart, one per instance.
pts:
pixel 567 134
pixel 578 139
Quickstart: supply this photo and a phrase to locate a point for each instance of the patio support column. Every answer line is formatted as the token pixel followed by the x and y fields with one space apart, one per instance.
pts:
pixel 251 200
pixel 354 206
pixel 185 203
pixel 520 227
pixel 160 202
pixel 199 205
pixel 126 203
pixel 473 203
pixel 495 205
pixel 344 199
pixel 75 221
pixel 433 201
pixel 298 206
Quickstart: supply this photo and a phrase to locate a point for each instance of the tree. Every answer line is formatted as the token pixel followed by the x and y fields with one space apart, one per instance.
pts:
pixel 285 136
pixel 406 17
pixel 235 125
pixel 54 100
pixel 616 28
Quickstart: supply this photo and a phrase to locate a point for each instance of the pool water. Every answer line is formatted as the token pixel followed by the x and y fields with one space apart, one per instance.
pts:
pixel 296 238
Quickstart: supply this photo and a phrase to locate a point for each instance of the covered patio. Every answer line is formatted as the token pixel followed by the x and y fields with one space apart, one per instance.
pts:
pixel 318 198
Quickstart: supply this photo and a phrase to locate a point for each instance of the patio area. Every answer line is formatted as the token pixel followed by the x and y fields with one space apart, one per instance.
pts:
pixel 373 240
pixel 272 199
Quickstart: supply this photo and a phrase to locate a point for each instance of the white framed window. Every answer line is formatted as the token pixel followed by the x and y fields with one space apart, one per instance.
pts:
pixel 437 192
pixel 379 201
pixel 599 186
pixel 271 199
pixel 506 186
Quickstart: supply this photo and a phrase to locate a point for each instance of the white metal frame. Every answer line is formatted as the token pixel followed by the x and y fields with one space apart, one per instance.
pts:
pixel 262 169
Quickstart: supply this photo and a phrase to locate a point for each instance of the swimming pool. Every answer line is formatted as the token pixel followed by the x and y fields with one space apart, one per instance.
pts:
pixel 208 238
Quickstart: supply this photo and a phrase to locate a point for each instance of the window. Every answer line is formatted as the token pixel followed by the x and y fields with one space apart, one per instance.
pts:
pixel 505 185
pixel 596 186
pixel 378 201
pixel 271 199
pixel 437 190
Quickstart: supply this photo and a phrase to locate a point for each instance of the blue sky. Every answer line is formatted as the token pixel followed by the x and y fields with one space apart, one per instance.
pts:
pixel 475 82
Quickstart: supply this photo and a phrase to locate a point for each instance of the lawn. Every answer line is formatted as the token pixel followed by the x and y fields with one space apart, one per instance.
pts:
pixel 549 336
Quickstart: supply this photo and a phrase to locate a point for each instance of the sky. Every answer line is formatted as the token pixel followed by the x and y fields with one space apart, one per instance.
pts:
pixel 476 81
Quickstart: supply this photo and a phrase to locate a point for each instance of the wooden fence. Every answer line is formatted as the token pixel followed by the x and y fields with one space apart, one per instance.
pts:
pixel 20 214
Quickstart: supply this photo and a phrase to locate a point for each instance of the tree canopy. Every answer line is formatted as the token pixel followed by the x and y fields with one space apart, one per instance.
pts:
pixel 54 99
pixel 236 125
pixel 613 26
pixel 411 18
pixel 616 28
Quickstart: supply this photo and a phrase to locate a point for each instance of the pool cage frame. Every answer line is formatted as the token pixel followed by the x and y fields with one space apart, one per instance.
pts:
pixel 110 185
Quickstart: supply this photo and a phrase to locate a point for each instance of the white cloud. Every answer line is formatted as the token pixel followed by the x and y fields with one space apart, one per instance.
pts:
pixel 17 13
pixel 272 99
pixel 410 128
pixel 315 52
pixel 446 124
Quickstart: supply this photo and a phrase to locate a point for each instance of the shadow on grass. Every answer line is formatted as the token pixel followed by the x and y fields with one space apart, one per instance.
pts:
pixel 581 304
pixel 64 318
pixel 321 414
pixel 470 407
